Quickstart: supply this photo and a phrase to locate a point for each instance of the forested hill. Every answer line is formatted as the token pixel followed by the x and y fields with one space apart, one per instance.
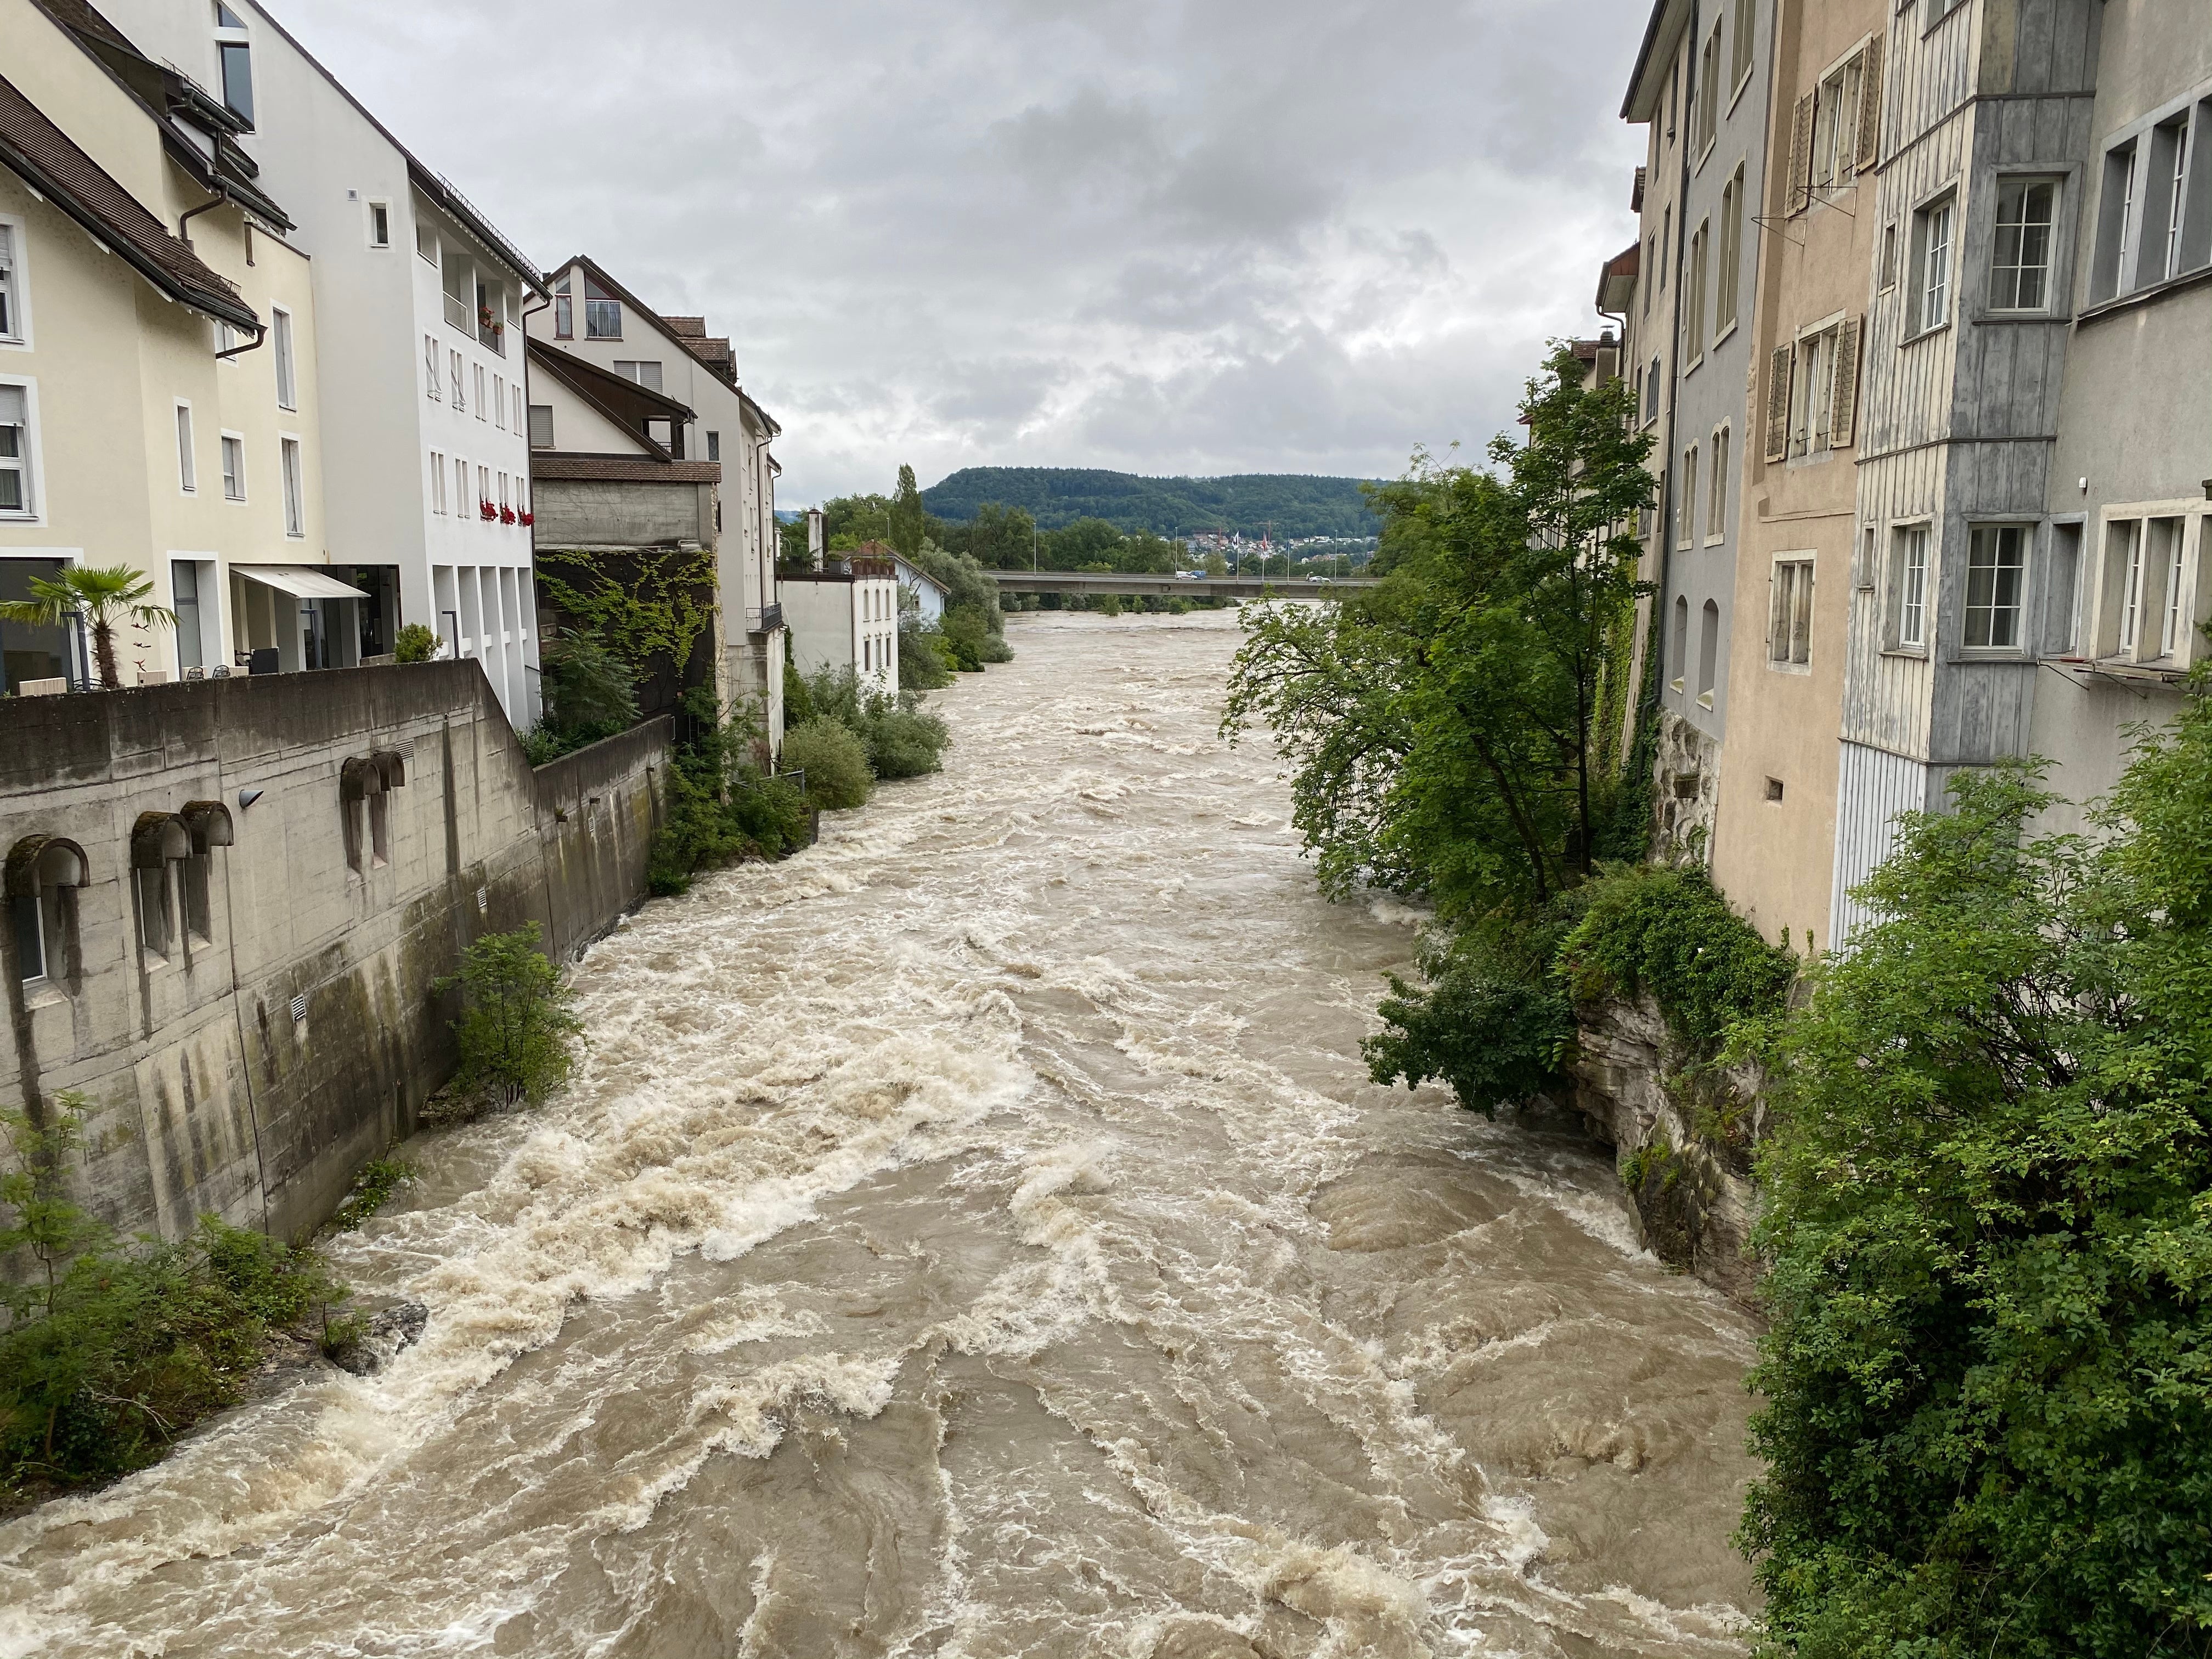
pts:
pixel 1295 506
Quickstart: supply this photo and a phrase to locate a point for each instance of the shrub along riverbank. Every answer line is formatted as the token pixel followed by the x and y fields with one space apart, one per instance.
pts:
pixel 1986 1170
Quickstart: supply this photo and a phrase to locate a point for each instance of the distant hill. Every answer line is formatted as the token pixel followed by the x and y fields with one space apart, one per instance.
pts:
pixel 1296 505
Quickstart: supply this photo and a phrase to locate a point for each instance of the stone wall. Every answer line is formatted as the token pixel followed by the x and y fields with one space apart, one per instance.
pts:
pixel 1682 1139
pixel 246 891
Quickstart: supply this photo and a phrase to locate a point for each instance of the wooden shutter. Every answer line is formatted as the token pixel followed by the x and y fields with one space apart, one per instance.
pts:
pixel 1801 157
pixel 1869 146
pixel 1843 407
pixel 1777 405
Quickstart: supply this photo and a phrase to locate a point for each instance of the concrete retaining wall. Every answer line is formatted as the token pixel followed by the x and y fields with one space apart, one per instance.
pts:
pixel 287 1029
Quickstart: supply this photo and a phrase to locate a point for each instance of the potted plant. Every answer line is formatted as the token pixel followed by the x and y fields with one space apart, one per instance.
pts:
pixel 487 510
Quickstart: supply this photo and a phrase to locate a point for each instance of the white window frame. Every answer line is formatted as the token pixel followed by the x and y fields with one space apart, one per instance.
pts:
pixel 438 481
pixel 368 212
pixel 2026 181
pixel 1813 389
pixel 458 369
pixel 28 463
pixel 1741 56
pixel 1728 264
pixel 1913 587
pixel 18 339
pixel 1985 532
pixel 283 342
pixel 1796 589
pixel 481 372
pixel 188 461
pixel 498 400
pixel 1940 208
pixel 292 482
pixel 232 475
pixel 435 370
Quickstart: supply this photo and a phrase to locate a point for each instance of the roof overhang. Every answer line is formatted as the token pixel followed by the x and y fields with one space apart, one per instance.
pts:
pixel 1669 19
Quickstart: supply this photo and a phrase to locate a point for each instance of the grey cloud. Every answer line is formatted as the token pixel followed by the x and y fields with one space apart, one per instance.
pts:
pixel 1173 235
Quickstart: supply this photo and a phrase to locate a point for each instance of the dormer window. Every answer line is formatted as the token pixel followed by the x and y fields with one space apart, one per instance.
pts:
pixel 233 58
pixel 564 311
pixel 602 313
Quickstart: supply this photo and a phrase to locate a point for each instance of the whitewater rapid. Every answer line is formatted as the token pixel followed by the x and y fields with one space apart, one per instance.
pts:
pixel 976 1236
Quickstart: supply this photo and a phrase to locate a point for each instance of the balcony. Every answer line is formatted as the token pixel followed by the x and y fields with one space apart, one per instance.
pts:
pixel 764 619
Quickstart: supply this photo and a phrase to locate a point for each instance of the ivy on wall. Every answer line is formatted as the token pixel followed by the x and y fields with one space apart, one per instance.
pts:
pixel 641 603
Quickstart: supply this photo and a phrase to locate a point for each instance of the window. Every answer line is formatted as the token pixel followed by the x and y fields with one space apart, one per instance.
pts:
pixel 287 375
pixel 1651 393
pixel 1666 241
pixel 1693 302
pixel 1678 641
pixel 713 446
pixel 1774 789
pixel 1912 585
pixel 1709 90
pixel 2061 599
pixel 2127 547
pixel 188 476
pixel 185 601
pixel 2116 223
pixel 437 482
pixel 379 224
pixel 2019 257
pixel 1741 60
pixel 1812 391
pixel 483 488
pixel 15 451
pixel 461 489
pixel 498 400
pixel 1836 126
pixel 1789 616
pixel 1888 257
pixel 1685 500
pixel 646 373
pixel 480 393
pixel 502 493
pixel 234 63
pixel 1996 570
pixel 564 311
pixel 11 304
pixel 453 367
pixel 1708 654
pixel 1651 266
pixel 456 282
pixel 430 365
pixel 1932 230
pixel 541 426
pixel 296 493
pixel 602 313
pixel 2173 636
pixel 1716 502
pixel 2168 189
pixel 1731 256
pixel 234 467
pixel 426 240
pixel 491 316
pixel 516 391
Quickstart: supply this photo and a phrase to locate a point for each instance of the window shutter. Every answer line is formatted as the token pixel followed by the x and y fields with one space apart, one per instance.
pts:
pixel 1869 146
pixel 1843 408
pixel 541 426
pixel 1777 405
pixel 1801 157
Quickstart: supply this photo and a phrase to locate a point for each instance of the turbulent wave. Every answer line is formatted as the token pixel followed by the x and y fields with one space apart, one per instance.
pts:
pixel 975 1236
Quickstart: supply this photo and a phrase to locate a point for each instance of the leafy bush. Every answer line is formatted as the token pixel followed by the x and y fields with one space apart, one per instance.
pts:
pixel 1988 1201
pixel 518 1036
pixel 378 1180
pixel 797 701
pixel 720 806
pixel 1667 931
pixel 923 662
pixel 834 761
pixel 415 643
pixel 109 1356
pixel 591 692
pixel 901 741
pixel 966 639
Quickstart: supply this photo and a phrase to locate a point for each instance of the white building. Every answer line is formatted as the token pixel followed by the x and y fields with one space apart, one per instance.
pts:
pixel 417 304
pixel 594 318
pixel 843 613
pixel 925 593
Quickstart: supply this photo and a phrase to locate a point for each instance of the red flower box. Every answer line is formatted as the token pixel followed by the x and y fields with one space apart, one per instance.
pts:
pixel 489 511
pixel 506 515
pixel 529 518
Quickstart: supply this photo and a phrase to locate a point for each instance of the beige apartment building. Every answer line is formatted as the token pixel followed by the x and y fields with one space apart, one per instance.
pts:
pixel 1773 853
pixel 158 389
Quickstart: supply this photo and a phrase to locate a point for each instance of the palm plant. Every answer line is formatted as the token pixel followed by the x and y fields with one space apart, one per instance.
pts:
pixel 105 599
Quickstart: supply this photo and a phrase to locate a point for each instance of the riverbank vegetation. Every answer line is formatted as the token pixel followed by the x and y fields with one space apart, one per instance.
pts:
pixel 517 1033
pixel 112 1353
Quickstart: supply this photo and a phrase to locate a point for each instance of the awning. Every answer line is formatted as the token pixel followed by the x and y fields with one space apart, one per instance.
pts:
pixel 301 581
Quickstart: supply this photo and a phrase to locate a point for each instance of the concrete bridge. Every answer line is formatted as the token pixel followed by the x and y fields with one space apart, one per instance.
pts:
pixel 1190 587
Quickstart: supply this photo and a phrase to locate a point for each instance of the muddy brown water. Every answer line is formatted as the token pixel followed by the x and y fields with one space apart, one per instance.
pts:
pixel 976 1236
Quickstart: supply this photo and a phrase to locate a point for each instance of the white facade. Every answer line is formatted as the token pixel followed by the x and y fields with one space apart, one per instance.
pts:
pixel 841 620
pixel 927 597
pixel 363 207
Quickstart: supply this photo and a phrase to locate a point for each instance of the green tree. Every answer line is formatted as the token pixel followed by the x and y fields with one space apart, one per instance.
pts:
pixel 834 761
pixel 107 598
pixel 1445 731
pixel 518 1035
pixel 1988 1202
pixel 909 525
pixel 415 643
pixel 591 693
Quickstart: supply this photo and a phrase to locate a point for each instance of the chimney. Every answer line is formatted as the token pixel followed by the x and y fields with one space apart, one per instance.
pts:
pixel 815 539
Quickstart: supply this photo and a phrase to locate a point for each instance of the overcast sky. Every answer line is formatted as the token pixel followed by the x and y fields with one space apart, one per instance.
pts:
pixel 1168 236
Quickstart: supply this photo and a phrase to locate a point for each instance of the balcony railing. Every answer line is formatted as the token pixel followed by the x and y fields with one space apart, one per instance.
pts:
pixel 767 619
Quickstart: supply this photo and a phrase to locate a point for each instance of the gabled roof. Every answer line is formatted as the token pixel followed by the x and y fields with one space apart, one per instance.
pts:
pixel 1668 19
pixel 436 186
pixel 46 158
pixel 625 403
pixel 688 333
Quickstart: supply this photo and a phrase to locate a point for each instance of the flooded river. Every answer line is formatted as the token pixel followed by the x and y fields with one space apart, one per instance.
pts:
pixel 975 1236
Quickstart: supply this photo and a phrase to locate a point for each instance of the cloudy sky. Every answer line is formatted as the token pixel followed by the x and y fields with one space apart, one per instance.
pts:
pixel 1169 236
